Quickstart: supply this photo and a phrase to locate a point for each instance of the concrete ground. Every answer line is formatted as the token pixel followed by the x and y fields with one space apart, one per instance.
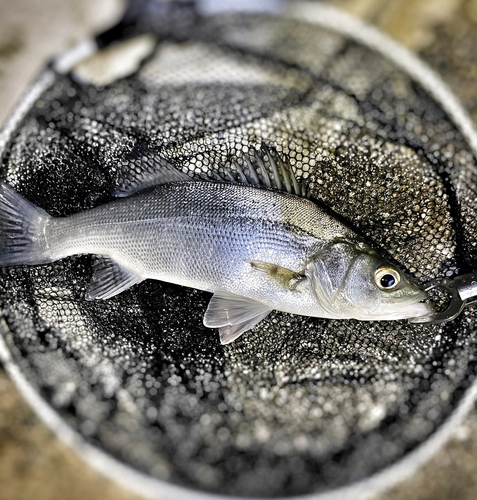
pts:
pixel 33 462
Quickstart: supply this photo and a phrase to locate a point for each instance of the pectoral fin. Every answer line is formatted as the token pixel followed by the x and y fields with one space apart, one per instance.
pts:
pixel 109 279
pixel 233 315
pixel 286 277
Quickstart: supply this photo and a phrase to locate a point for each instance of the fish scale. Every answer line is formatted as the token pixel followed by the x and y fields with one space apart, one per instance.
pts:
pixel 170 208
pixel 201 235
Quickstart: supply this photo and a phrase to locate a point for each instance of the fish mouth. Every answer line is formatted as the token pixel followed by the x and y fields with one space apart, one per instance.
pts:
pixel 424 316
pixel 427 311
pixel 416 309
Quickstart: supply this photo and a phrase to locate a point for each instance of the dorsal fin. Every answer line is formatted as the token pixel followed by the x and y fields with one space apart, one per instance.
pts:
pixel 144 168
pixel 265 169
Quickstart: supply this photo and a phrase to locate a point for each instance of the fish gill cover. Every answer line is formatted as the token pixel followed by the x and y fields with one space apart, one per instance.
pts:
pixel 297 405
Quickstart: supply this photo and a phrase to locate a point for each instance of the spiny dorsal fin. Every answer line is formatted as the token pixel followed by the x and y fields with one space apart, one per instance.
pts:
pixel 265 169
pixel 233 315
pixel 145 168
pixel 109 279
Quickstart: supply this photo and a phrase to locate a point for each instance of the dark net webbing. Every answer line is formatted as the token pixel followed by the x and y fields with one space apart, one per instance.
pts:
pixel 298 404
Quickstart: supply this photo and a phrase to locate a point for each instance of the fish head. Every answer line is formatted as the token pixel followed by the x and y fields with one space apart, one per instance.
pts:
pixel 349 280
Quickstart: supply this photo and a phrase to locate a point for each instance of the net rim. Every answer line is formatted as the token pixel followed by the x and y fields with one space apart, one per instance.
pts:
pixel 341 22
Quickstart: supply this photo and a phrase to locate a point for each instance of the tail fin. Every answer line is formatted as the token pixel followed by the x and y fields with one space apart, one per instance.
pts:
pixel 22 228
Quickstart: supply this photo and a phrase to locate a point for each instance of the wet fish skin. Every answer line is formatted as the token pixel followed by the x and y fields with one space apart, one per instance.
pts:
pixel 201 235
pixel 255 249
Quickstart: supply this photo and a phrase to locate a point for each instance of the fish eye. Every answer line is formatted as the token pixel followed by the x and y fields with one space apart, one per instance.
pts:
pixel 387 278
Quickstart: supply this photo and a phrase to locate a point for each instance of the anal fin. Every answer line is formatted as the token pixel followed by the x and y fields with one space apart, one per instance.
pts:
pixel 233 315
pixel 109 279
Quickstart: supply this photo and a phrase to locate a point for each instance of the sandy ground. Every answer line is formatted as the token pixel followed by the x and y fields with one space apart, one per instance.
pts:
pixel 33 462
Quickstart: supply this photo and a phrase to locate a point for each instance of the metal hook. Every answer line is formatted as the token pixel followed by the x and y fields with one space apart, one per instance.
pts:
pixel 463 291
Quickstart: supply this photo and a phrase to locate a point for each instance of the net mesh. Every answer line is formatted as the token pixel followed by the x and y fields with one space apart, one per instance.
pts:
pixel 297 405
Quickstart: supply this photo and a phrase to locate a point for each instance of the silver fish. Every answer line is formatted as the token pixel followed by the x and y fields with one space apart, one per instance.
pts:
pixel 256 249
